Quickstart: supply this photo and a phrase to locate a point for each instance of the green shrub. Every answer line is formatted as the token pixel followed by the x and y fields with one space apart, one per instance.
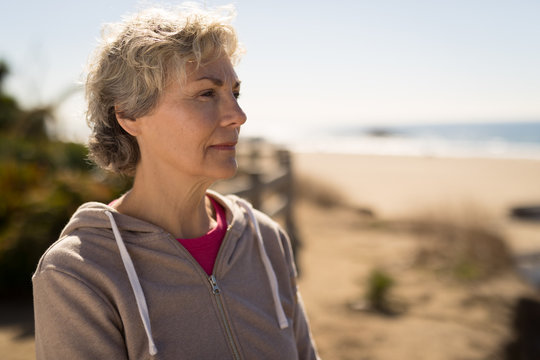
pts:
pixel 378 288
pixel 42 182
pixel 35 204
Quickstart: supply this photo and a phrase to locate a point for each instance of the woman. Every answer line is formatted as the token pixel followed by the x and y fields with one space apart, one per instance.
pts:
pixel 171 270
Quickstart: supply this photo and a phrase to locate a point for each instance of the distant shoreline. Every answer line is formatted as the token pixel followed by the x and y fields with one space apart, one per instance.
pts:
pixel 535 157
pixel 512 140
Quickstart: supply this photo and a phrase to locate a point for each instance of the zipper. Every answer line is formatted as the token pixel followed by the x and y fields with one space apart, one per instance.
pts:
pixel 218 255
pixel 216 291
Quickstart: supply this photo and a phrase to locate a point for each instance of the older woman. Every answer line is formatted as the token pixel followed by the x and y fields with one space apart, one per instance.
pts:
pixel 171 270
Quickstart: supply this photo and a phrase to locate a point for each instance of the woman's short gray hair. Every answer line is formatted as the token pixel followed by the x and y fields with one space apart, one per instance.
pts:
pixel 134 63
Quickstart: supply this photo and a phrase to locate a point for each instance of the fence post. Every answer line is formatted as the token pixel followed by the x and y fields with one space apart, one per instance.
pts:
pixel 284 158
pixel 256 189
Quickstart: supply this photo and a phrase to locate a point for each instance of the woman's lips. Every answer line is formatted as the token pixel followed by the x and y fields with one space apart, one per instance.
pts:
pixel 225 146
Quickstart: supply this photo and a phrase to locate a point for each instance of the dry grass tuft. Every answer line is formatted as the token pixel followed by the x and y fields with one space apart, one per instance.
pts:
pixel 464 244
pixel 318 192
pixel 325 195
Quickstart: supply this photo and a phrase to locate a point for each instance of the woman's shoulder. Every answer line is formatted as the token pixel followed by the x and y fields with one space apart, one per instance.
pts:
pixel 87 242
pixel 82 240
pixel 70 252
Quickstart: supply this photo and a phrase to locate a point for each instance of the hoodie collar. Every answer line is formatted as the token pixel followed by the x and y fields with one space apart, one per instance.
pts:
pixel 92 215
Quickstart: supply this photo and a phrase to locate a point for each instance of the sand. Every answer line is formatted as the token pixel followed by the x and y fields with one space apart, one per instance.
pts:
pixel 443 320
pixel 400 187
pixel 394 186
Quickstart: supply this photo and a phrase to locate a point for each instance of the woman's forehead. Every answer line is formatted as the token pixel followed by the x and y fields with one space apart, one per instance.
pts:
pixel 220 70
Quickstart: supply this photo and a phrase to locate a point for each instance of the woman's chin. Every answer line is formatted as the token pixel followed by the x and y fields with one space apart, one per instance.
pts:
pixel 226 170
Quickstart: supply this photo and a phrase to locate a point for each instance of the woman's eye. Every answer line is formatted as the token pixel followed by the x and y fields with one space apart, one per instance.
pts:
pixel 212 93
pixel 208 93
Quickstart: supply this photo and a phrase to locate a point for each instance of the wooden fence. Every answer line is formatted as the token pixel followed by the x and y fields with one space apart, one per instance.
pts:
pixel 265 178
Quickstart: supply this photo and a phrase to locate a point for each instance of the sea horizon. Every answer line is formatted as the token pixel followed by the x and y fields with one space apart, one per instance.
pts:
pixel 519 140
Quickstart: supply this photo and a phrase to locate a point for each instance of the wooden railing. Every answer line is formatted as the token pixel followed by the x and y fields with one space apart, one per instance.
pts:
pixel 265 178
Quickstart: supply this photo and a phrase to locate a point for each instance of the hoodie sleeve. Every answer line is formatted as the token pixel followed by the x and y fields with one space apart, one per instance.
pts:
pixel 304 340
pixel 72 321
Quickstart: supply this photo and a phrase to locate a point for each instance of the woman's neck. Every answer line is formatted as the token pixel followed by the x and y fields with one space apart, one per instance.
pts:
pixel 176 203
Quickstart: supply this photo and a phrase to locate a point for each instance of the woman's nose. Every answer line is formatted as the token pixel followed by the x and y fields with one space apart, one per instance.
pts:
pixel 234 116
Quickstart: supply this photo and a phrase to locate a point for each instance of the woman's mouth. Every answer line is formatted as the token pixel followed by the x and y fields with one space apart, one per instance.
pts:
pixel 225 146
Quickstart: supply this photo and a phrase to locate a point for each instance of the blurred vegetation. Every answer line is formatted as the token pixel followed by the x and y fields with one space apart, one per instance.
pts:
pixel 378 297
pixel 466 245
pixel 378 288
pixel 42 181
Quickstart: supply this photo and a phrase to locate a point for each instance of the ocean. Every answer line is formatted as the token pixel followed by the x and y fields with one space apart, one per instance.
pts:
pixel 479 140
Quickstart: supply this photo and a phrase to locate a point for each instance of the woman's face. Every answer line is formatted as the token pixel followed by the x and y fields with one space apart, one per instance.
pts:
pixel 194 128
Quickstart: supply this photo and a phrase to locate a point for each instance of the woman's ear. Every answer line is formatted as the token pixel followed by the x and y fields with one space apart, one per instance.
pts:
pixel 130 125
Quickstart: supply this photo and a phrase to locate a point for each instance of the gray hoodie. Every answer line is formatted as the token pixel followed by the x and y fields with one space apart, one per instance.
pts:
pixel 116 287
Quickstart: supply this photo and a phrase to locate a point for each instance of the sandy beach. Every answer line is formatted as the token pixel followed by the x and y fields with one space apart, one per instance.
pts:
pixel 394 185
pixel 340 253
pixel 440 319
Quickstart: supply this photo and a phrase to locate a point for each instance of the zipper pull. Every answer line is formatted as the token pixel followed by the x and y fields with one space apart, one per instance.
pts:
pixel 213 282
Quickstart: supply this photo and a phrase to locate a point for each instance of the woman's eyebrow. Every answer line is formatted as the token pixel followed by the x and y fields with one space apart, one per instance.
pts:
pixel 218 82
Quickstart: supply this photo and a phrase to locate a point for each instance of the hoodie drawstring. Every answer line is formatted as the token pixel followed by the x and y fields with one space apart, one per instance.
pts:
pixel 135 284
pixel 282 319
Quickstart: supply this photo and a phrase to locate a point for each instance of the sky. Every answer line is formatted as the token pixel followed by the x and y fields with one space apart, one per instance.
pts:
pixel 315 63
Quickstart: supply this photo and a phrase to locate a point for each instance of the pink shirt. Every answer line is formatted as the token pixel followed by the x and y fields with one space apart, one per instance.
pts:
pixel 204 249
